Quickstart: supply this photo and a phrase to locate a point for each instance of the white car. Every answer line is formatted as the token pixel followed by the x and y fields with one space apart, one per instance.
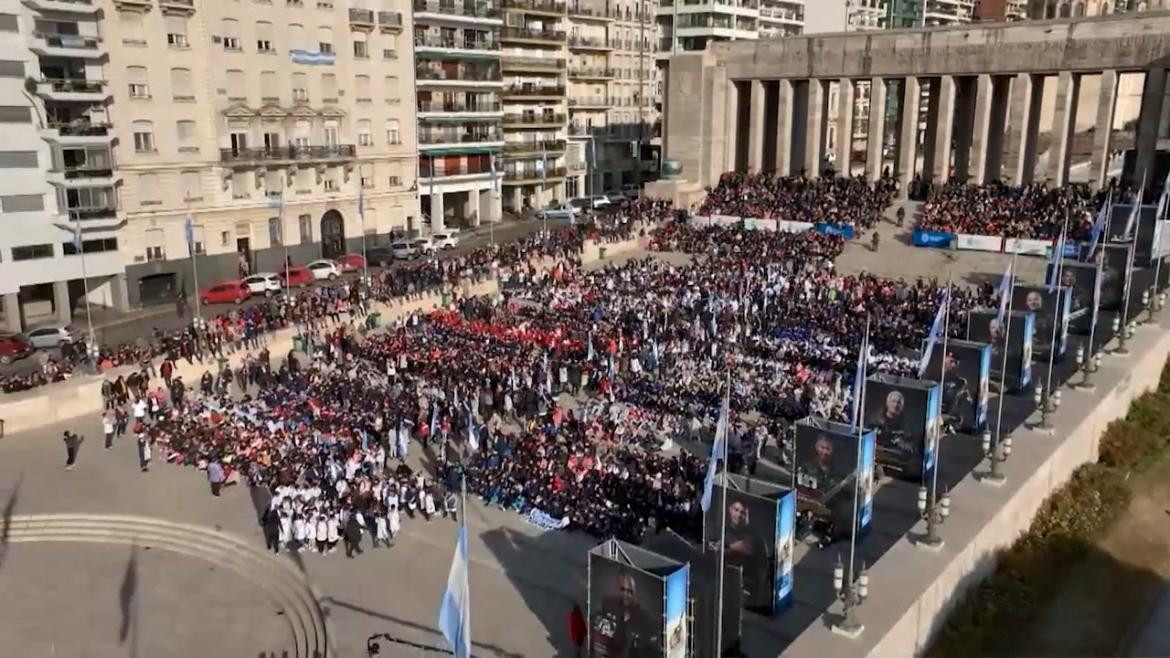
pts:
pixel 445 240
pixel 324 269
pixel 54 335
pixel 402 250
pixel 264 283
pixel 424 246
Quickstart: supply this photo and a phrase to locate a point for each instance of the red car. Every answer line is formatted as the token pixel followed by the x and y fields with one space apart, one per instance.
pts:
pixel 225 292
pixel 13 347
pixel 297 277
pixel 351 262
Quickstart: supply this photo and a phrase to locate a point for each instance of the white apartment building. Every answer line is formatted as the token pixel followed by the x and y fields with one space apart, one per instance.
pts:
pixel 458 80
pixel 948 12
pixel 224 108
pixel 58 180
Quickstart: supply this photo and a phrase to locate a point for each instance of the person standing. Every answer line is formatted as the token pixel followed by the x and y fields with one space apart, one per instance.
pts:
pixel 353 535
pixel 577 629
pixel 72 447
pixel 143 447
pixel 215 476
pixel 108 427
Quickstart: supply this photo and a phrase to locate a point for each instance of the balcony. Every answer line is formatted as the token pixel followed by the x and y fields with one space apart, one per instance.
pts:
pixel 361 17
pixel 591 14
pixel 440 44
pixel 134 4
pixel 589 102
pixel 533 120
pixel 589 43
pixel 181 5
pixel 535 147
pixel 65 6
pixel 430 168
pixel 533 175
pixel 586 73
pixel 468 74
pixel 247 156
pixel 547 7
pixel 532 64
pixel 82 177
pixel 447 107
pixel 528 35
pixel 53 44
pixel 390 21
pixel 93 213
pixel 88 91
pixel 445 8
pixel 533 92
pixel 428 138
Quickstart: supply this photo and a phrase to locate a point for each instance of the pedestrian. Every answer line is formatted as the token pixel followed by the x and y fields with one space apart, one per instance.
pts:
pixel 272 531
pixel 108 427
pixel 577 629
pixel 215 476
pixel 72 447
pixel 143 448
pixel 353 535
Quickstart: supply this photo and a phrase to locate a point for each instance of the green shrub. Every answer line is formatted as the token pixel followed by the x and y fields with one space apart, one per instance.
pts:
pixel 1127 445
pixel 1152 412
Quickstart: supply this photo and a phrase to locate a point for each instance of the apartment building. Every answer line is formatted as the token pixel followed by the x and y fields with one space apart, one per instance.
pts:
pixel 691 24
pixel 283 128
pixel 460 114
pixel 58 193
pixel 1067 8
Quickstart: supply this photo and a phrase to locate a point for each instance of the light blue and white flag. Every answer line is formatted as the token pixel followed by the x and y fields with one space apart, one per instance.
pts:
pixel 455 611
pixel 859 379
pixel 589 348
pixel 1053 278
pixel 189 232
pixel 1005 290
pixel 1099 226
pixel 1134 210
pixel 718 451
pixel 935 331
pixel 472 434
pixel 1164 198
pixel 77 236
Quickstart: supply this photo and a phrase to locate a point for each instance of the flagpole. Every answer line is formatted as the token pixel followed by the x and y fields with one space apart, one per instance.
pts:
pixel 942 384
pixel 194 262
pixel 723 518
pixel 85 283
pixel 1007 332
pixel 1057 268
pixel 362 215
pixel 857 468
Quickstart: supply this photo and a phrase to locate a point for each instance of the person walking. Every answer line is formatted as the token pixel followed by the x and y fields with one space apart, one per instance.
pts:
pixel 353 535
pixel 215 476
pixel 108 427
pixel 577 629
pixel 143 447
pixel 72 447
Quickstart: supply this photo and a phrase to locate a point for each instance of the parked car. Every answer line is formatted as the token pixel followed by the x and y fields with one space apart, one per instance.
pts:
pixel 352 262
pixel 445 240
pixel 380 256
pixel 424 246
pixel 560 211
pixel 615 196
pixel 225 292
pixel 632 190
pixel 263 283
pixel 13 347
pixel 403 250
pixel 296 277
pixel 53 335
pixel 324 269
pixel 599 202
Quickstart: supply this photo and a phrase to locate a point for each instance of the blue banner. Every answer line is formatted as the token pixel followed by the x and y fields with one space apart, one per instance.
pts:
pixel 843 230
pixel 932 430
pixel 1064 312
pixel 677 593
pixel 931 239
pixel 1073 249
pixel 865 475
pixel 785 548
pixel 1026 355
pixel 984 386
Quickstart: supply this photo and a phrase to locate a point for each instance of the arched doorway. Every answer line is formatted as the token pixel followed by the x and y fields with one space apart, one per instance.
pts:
pixel 332 234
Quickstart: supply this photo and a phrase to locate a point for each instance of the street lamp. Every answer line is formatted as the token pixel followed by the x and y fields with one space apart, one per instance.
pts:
pixel 1147 305
pixel 995 454
pixel 935 513
pixel 851 595
pixel 1042 406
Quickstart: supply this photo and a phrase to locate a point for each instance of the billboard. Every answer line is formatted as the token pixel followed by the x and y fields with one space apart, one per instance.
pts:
pixel 677 594
pixel 1051 311
pixel 827 461
pixel 626 608
pixel 749 541
pixel 1081 279
pixel 964 371
pixel 983 327
pixel 1144 233
pixel 904 413
pixel 784 550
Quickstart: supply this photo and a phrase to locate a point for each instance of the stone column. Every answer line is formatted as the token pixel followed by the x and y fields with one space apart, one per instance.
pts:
pixel 966 95
pixel 784 128
pixel 61 303
pixel 756 127
pixel 120 292
pixel 845 95
pixel 908 135
pixel 1103 130
pixel 995 132
pixel 12 312
pixel 930 130
pixel 875 140
pixel 1064 123
pixel 943 129
pixel 814 139
pixel 1153 94
pixel 980 130
pixel 731 120
pixel 1021 138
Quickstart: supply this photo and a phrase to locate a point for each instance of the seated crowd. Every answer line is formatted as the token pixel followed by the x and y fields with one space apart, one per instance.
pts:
pixel 832 200
pixel 1033 211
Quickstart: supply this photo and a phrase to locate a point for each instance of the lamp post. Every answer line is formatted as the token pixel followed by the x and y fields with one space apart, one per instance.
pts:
pixel 935 513
pixel 1146 303
pixel 851 595
pixel 1042 406
pixel 996 454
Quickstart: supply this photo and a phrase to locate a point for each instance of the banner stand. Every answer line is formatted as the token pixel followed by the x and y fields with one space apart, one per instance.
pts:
pixel 636 602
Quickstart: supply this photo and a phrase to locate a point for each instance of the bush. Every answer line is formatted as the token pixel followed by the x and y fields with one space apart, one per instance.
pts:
pixel 1128 445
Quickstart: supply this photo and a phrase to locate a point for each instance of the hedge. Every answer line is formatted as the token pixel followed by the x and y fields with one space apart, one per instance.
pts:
pixel 1032 570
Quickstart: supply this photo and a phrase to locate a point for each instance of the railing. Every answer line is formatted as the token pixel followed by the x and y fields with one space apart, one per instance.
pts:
pixel 456 9
pixel 463 73
pixel 528 33
pixel 533 174
pixel 534 119
pixel 533 90
pixel 588 101
pixel 588 42
pixel 87 172
pixel 534 146
pixel 103 212
pixel 455 106
pixel 184 3
pixel 75 86
pixel 587 72
pixel 81 129
pixel 429 137
pixel 288 153
pixel 391 18
pixel 534 62
pixel 590 12
pixel 428 170
pixel 58 40
pixel 551 6
pixel 362 16
pixel 437 41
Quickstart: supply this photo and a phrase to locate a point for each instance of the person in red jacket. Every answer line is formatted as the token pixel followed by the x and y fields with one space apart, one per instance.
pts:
pixel 577 628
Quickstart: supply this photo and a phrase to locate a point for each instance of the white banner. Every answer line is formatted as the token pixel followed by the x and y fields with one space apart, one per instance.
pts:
pixel 795 227
pixel 754 224
pixel 1027 247
pixel 979 242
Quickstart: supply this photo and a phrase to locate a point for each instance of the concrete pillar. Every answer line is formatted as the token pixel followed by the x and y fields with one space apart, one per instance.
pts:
pixel 120 292
pixel 731 119
pixel 814 137
pixel 995 133
pixel 61 302
pixel 1064 123
pixel 979 170
pixel 1103 130
pixel 784 128
pixel 875 141
pixel 930 132
pixel 1153 95
pixel 438 223
pixel 966 95
pixel 846 92
pixel 12 312
pixel 908 135
pixel 756 127
pixel 1021 137
pixel 944 119
pixel 517 202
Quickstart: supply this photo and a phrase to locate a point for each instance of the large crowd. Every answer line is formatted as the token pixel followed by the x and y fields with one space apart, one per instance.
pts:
pixel 1033 211
pixel 838 200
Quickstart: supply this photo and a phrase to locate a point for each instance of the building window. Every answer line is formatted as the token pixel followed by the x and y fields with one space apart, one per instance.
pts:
pixel 148 193
pixel 365 138
pixel 393 136
pixel 236 86
pixel 361 88
pixel 22 203
pixel 176 30
pixel 32 252
pixel 90 246
pixel 305 224
pixel 264 37
pixel 330 185
pixel 192 187
pixel 182 88
pixel 143 137
pixel 269 87
pixel 139 81
pixel 325 40
pixel 275 232
pixel 185 135
pixel 328 88
pixel 231 34
pixel 361 49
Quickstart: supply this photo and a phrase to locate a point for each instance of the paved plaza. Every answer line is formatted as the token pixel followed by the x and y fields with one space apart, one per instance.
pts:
pixel 523 580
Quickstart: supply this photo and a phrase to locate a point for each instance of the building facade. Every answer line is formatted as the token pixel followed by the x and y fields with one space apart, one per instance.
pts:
pixel 58 194
pixel 285 131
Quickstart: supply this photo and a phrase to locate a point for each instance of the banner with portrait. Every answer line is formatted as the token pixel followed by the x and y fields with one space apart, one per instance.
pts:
pixel 748 539
pixel 1144 233
pixel 964 371
pixel 904 413
pixel 784 550
pixel 1114 261
pixel 1016 370
pixel 827 462
pixel 630 594
pixel 1051 311
pixel 1082 280
pixel 677 595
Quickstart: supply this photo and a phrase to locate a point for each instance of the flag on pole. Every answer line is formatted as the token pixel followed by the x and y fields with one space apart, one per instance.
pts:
pixel 77 236
pixel 189 231
pixel 434 428
pixel 1099 226
pixel 1054 264
pixel 859 379
pixel 492 165
pixel 455 612
pixel 1134 210
pixel 361 199
pixel 718 450
pixel 1005 290
pixel 589 349
pixel 1164 198
pixel 472 435
pixel 935 330
pixel 276 200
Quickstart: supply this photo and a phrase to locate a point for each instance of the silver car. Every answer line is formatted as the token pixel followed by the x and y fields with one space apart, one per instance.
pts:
pixel 53 335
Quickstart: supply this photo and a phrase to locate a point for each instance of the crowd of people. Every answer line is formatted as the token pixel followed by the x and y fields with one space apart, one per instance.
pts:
pixel 1033 211
pixel 838 200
